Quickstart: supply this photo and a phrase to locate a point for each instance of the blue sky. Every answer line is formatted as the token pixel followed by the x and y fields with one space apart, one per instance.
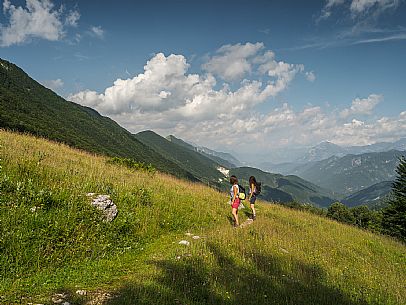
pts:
pixel 264 74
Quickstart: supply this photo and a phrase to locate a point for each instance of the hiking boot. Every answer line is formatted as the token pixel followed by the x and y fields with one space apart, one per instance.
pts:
pixel 254 217
pixel 235 225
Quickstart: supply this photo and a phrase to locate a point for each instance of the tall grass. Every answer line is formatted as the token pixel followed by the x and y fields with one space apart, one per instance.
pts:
pixel 52 240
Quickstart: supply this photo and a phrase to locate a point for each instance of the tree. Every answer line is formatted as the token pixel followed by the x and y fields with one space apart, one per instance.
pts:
pixel 366 218
pixel 394 215
pixel 340 212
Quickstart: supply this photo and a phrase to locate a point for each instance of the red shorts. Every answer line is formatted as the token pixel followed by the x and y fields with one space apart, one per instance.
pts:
pixel 236 203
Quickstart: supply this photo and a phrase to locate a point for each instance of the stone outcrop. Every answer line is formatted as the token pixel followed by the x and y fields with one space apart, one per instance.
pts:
pixel 105 204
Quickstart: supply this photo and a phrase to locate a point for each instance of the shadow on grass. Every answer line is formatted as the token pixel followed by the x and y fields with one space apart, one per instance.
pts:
pixel 262 280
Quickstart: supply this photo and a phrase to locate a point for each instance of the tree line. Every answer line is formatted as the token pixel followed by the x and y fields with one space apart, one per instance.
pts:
pixel 390 220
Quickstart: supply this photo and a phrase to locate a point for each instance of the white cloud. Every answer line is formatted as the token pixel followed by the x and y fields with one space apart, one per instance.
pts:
pixel 233 62
pixel 53 84
pixel 201 108
pixel 330 4
pixel 310 76
pixel 359 8
pixel 38 19
pixel 72 18
pixel 362 106
pixel 97 31
pixel 165 87
pixel 362 6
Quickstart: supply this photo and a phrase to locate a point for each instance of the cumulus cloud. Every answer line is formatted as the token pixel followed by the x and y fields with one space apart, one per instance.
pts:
pixel 39 19
pixel 53 84
pixel 239 61
pixel 165 86
pixel 202 108
pixel 233 62
pixel 362 106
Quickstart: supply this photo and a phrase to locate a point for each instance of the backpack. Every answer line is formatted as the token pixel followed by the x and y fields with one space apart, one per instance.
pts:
pixel 241 192
pixel 258 188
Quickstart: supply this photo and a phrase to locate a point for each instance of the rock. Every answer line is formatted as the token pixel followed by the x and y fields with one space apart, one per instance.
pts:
pixel 81 292
pixel 184 242
pixel 196 237
pixel 106 205
pixel 59 298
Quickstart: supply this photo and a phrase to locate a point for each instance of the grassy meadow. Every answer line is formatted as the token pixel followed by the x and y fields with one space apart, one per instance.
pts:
pixel 53 241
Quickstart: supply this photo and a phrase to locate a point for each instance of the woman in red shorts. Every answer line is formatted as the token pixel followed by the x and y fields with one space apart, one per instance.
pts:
pixel 234 200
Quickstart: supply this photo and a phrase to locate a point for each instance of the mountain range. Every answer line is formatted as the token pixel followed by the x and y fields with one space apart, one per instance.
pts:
pixel 284 160
pixel 351 173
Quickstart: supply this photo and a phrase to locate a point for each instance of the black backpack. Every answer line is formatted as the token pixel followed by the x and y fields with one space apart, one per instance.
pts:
pixel 258 188
pixel 241 192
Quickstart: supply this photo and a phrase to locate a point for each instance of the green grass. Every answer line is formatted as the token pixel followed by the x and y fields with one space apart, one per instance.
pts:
pixel 285 257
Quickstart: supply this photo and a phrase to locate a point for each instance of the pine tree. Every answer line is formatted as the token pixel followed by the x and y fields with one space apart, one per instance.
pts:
pixel 394 216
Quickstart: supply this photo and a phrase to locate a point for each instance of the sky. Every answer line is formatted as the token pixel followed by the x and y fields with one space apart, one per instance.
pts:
pixel 238 76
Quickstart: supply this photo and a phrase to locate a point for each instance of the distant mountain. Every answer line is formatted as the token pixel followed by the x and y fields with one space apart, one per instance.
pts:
pixel 27 106
pixel 326 150
pixel 286 168
pixel 372 196
pixel 199 165
pixel 322 151
pixel 281 188
pixel 225 159
pixel 220 155
pixel 351 173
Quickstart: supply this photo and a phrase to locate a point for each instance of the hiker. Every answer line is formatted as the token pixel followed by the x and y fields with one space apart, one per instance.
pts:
pixel 254 191
pixel 234 199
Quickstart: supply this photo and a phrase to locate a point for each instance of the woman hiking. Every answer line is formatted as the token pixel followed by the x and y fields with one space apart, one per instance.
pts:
pixel 234 200
pixel 254 191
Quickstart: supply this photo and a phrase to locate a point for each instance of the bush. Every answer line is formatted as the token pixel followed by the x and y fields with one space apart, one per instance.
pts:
pixel 366 218
pixel 341 213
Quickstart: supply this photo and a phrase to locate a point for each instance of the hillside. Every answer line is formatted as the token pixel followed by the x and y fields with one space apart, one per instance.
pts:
pixel 276 187
pixel 351 173
pixel 200 166
pixel 52 241
pixel 372 196
pixel 224 159
pixel 27 106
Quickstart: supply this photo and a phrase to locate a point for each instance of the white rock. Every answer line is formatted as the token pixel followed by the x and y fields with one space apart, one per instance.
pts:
pixel 196 237
pixel 184 242
pixel 106 205
pixel 81 292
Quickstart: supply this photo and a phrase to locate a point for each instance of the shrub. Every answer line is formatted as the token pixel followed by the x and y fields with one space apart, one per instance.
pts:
pixel 340 212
